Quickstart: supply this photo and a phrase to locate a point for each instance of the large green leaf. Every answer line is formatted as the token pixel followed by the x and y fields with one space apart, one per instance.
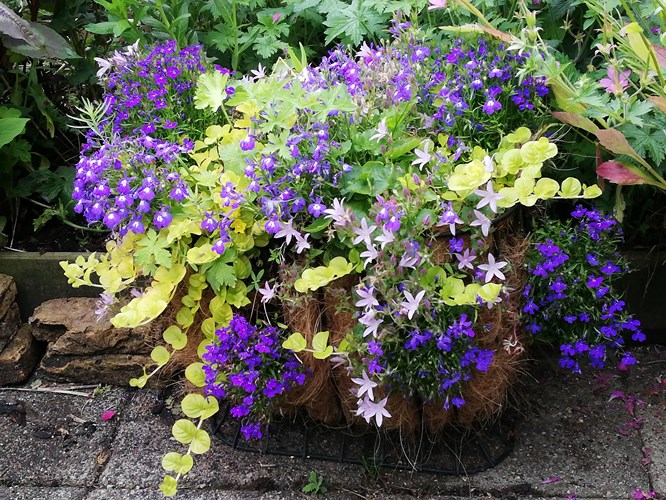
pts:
pixel 10 128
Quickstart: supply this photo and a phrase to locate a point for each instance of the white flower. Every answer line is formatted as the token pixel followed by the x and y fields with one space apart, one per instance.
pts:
pixel 366 386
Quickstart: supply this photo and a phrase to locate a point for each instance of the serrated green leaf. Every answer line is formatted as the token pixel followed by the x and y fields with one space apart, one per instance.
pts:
pixel 197 406
pixel 211 90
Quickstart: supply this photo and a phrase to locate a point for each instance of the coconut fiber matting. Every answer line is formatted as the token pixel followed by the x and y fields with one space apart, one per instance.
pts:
pixel 455 452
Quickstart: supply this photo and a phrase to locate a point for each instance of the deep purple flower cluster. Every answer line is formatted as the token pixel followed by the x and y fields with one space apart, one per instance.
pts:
pixel 465 88
pixel 290 186
pixel 570 299
pixel 129 183
pixel 149 94
pixel 249 367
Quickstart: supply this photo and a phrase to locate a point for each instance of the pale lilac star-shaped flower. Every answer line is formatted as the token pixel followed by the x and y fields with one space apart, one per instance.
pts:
pixel 386 237
pixel 104 66
pixel 369 409
pixel 382 131
pixel 302 243
pixel 488 197
pixel 369 255
pixel 364 233
pixel 267 293
pixel 465 259
pixel 258 73
pixel 423 156
pixel 483 221
pixel 408 261
pixel 367 298
pixel 488 164
pixel 493 268
pixel 412 304
pixel 371 322
pixel 287 231
pixel 340 215
pixel 366 386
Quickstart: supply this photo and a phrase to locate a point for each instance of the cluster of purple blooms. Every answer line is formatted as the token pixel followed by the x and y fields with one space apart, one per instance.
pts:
pixel 570 298
pixel 293 186
pixel 129 182
pixel 127 176
pixel 249 367
pixel 416 343
pixel 153 92
pixel 457 86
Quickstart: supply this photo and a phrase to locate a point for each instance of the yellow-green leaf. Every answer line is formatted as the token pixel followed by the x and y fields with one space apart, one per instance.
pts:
pixel 296 342
pixel 546 188
pixel 175 462
pixel 201 442
pixel 184 431
pixel 208 327
pixel 169 486
pixel 184 317
pixel 195 374
pixel 160 355
pixel 570 188
pixel 197 406
pixel 591 191
pixel 323 354
pixel 319 341
pixel 202 254
pixel 175 337
pixel 521 135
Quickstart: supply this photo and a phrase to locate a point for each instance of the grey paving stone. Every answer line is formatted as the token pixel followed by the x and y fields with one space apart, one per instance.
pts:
pixel 32 493
pixel 647 381
pixel 59 440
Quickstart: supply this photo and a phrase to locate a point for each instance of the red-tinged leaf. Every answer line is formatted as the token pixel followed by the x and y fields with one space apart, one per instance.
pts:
pixel 108 415
pixel 615 142
pixel 621 173
pixel 551 480
pixel 623 431
pixel 659 101
pixel 576 120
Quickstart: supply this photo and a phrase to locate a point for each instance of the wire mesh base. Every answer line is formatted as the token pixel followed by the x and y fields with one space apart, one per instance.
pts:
pixel 454 452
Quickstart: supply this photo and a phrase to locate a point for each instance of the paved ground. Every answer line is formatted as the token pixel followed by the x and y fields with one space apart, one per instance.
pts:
pixel 573 440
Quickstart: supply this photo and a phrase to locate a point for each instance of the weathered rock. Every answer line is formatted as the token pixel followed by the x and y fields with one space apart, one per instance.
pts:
pixel 72 327
pixel 7 293
pixel 19 357
pixel 111 369
pixel 9 325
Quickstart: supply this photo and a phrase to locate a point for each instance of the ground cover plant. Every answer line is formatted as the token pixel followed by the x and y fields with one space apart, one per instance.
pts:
pixel 343 225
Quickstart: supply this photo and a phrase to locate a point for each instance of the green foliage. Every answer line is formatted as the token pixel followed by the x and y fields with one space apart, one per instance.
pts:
pixel 47 68
pixel 315 485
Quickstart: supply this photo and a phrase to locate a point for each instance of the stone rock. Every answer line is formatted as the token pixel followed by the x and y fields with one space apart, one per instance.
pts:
pixel 111 369
pixel 9 325
pixel 19 357
pixel 72 328
pixel 7 293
